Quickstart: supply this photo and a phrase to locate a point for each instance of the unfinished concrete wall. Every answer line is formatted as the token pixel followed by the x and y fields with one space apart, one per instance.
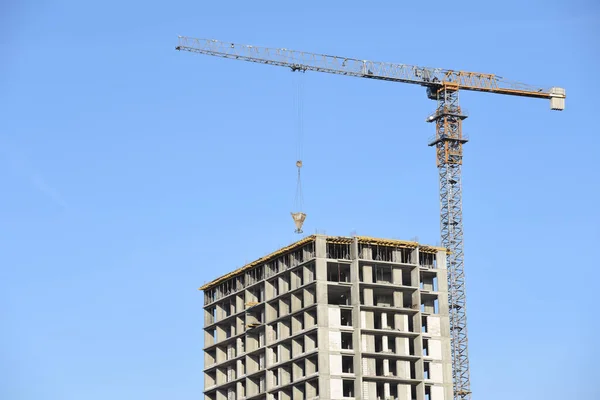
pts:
pixel 336 320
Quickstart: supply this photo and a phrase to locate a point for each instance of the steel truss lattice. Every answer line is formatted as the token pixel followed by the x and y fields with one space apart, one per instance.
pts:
pixel 449 142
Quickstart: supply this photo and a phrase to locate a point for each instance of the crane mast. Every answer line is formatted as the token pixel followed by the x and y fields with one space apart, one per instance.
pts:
pixel 449 142
pixel 442 86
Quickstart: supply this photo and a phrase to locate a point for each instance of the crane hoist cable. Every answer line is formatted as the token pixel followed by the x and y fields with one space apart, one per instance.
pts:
pixel 298 215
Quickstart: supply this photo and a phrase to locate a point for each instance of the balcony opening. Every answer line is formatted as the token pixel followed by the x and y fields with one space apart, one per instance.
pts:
pixel 286 394
pixel 212 315
pixel 379 367
pixel 275 285
pixel 230 332
pixel 394 391
pixel 346 317
pixel 428 393
pixel 426 370
pixel 274 310
pixel 310 342
pixel 297 278
pixel 312 365
pixel 347 388
pixel 377 320
pixel 347 341
pixel 210 357
pixel 255 275
pixel 384 300
pixel 228 309
pixel 406 278
pixel 391 344
pixel 425 347
pixel 383 274
pixel 297 301
pixel 298 322
pixel 211 378
pixel 275 376
pixel 338 251
pixel 403 255
pixel 209 296
pixel 347 364
pixel 299 369
pixel 284 307
pixel 338 296
pixel 427 260
pixel 285 283
pixel 393 368
pixel 424 324
pixel 429 281
pixel 261 338
pixel 256 295
pixel 312 388
pixel 299 392
pixel 406 300
pixel 338 272
pixel 378 344
pixel 381 391
pixel 411 324
pixel 274 355
pixel 387 321
pixel 310 273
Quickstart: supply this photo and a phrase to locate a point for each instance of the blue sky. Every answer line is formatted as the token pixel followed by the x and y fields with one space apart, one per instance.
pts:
pixel 133 173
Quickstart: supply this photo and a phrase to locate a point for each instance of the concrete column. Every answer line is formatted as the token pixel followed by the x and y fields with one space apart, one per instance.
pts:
pixel 367 273
pixel 401 322
pixel 368 296
pixel 384 320
pixel 320 246
pixel 367 253
pixel 372 391
pixel 356 318
pixel 404 392
pixel 397 276
pixel 442 279
pixel 386 390
pixel 414 256
pixel 398 299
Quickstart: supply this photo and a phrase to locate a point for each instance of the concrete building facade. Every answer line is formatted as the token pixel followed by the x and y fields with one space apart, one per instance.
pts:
pixel 331 318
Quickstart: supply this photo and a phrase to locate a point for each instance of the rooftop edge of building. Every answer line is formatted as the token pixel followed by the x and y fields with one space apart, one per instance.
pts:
pixel 329 239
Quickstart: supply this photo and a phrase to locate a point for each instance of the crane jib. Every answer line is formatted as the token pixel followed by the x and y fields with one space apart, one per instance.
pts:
pixel 404 73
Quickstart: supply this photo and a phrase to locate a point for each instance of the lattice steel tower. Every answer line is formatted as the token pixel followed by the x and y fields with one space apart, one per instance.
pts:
pixel 443 86
pixel 449 143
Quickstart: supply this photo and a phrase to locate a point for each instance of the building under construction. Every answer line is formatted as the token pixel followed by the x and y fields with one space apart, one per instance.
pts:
pixel 331 318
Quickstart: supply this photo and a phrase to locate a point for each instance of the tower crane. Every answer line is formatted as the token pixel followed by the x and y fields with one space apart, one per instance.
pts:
pixel 443 86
